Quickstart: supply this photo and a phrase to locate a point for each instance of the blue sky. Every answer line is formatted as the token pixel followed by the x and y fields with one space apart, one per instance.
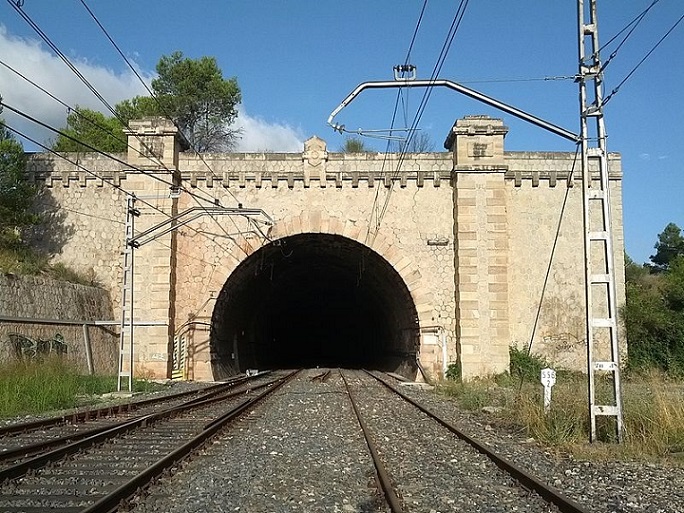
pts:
pixel 295 62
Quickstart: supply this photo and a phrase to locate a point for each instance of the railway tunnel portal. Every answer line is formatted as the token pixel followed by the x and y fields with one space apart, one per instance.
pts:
pixel 451 273
pixel 313 300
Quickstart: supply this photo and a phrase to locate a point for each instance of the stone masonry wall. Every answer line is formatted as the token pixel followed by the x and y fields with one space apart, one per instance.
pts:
pixel 31 297
pixel 469 232
pixel 541 204
pixel 334 196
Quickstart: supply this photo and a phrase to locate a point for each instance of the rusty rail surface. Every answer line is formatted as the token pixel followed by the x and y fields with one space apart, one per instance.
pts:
pixel 86 414
pixel 526 479
pixel 322 377
pixel 381 473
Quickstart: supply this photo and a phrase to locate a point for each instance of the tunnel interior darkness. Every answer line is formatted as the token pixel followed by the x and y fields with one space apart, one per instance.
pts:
pixel 314 300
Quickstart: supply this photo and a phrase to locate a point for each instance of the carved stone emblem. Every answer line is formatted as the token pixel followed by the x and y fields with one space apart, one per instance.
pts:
pixel 315 151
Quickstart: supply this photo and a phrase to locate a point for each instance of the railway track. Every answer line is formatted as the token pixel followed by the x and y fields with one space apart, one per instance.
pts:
pixel 96 472
pixel 304 452
pixel 125 408
pixel 23 439
pixel 380 448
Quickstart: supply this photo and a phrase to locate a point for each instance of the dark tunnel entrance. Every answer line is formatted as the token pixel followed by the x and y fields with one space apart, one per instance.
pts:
pixel 314 300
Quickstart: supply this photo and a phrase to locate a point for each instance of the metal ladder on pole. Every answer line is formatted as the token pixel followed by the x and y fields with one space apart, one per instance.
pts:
pixel 603 356
pixel 125 376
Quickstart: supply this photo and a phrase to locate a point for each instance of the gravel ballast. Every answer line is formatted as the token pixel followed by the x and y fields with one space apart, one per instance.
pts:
pixel 303 450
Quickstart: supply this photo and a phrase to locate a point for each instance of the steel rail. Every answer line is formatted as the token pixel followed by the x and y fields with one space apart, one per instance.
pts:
pixel 85 414
pixel 527 480
pixel 111 502
pixel 322 377
pixel 44 459
pixel 381 473
pixel 38 447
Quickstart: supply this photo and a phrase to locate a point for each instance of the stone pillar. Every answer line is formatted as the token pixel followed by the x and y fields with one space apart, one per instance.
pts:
pixel 154 145
pixel 481 236
pixel 315 157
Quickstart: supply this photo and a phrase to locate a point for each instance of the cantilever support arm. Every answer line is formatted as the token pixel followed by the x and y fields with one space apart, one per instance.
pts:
pixel 177 221
pixel 471 93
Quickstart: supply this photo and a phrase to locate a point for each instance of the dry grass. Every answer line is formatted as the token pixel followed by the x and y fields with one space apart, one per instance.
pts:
pixel 653 409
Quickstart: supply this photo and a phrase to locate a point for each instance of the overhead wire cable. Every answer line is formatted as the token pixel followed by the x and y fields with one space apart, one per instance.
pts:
pixel 636 20
pixel 415 32
pixel 161 106
pixel 451 34
pixel 86 118
pixel 75 110
pixel 62 155
pixel 75 70
pixel 556 238
pixel 87 83
pixel 616 89
pixel 634 24
pixel 83 143
pixel 80 75
pixel 374 212
pixel 151 93
pixel 104 180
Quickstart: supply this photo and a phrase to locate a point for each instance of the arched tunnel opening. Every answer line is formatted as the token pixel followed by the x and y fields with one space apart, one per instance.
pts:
pixel 314 300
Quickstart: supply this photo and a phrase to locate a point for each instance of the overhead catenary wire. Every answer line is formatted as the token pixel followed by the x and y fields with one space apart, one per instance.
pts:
pixel 616 89
pixel 76 111
pixel 633 24
pixel 407 59
pixel 451 34
pixel 156 99
pixel 552 255
pixel 104 180
pixel 81 77
pixel 85 144
pixel 636 21
pixel 75 70
pixel 86 118
pixel 119 188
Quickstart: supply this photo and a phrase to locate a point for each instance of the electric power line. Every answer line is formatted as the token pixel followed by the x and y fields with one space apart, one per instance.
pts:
pixel 75 70
pixel 163 109
pixel 104 180
pixel 451 34
pixel 648 54
pixel 633 24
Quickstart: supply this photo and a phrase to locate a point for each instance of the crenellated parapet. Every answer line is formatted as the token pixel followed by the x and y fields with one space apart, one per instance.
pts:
pixel 338 170
pixel 472 232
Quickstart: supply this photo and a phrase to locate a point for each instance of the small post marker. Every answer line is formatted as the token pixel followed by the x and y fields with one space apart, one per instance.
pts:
pixel 548 379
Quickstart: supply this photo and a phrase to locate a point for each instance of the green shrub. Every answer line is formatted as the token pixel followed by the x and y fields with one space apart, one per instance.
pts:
pixel 526 366
pixel 52 384
pixel 453 372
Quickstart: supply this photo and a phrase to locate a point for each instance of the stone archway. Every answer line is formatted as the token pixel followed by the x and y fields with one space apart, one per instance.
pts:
pixel 316 295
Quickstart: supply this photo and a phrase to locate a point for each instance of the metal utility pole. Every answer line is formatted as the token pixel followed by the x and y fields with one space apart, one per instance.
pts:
pixel 126 346
pixel 132 241
pixel 603 357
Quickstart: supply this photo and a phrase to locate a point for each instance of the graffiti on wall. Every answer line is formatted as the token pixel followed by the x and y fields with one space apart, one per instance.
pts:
pixel 26 348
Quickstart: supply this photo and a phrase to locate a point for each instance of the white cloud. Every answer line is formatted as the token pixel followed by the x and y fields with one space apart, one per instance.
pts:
pixel 34 61
pixel 261 135
pixel 31 59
